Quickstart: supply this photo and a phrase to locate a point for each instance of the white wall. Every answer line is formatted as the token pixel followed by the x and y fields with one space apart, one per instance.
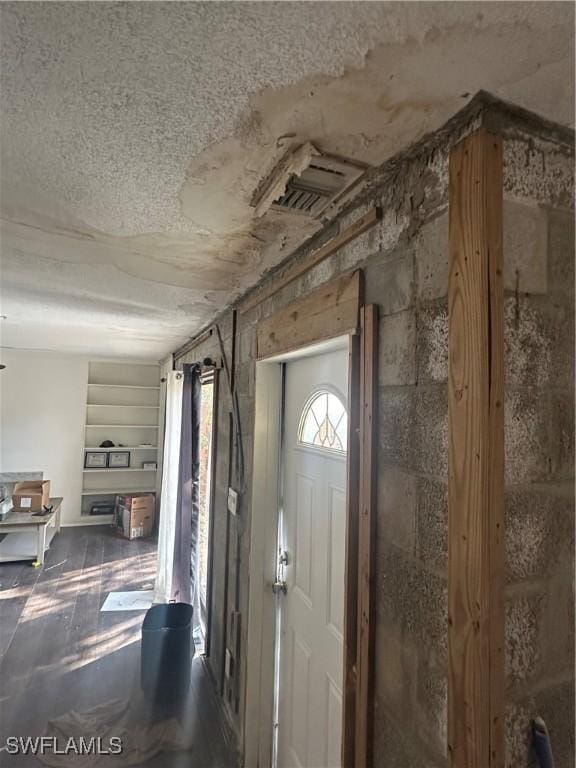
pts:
pixel 42 415
pixel 166 366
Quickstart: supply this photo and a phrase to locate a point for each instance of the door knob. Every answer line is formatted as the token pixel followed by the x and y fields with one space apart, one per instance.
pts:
pixel 279 586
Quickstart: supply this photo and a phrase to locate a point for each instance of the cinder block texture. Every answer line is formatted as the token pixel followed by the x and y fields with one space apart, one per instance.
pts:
pixel 556 706
pixel 539 342
pixel 432 524
pixel 395 670
pixel 390 283
pixel 432 256
pixel 431 445
pixel 432 342
pixel 539 534
pixel 397 499
pixel 432 707
pixel 519 716
pixel 523 616
pixel 414 429
pixel 539 171
pixel 561 252
pixel 396 428
pixel 397 744
pixel 397 345
pixel 413 599
pixel 525 233
pixel 539 435
pixel 247 345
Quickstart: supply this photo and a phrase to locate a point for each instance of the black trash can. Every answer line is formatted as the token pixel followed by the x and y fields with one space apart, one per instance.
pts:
pixel 166 653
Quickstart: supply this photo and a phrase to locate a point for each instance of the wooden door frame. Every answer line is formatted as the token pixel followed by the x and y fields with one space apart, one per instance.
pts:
pixel 341 315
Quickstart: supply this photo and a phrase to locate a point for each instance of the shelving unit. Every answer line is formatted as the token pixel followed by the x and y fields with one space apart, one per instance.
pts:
pixel 114 491
pixel 122 406
pixel 129 469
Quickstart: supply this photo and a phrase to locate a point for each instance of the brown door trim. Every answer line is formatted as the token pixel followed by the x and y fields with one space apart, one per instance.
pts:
pixel 351 564
pixel 333 310
pixel 366 534
pixel 326 313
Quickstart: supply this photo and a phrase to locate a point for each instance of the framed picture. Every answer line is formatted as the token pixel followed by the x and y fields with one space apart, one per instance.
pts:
pixel 149 465
pixel 119 459
pixel 95 460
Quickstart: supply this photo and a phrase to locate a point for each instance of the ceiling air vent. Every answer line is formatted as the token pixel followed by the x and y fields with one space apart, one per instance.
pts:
pixel 307 182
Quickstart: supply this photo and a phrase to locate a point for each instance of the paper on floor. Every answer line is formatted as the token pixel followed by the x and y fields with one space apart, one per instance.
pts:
pixel 140 600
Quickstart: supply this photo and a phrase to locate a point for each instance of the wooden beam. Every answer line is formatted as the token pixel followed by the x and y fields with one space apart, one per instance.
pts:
pixel 300 267
pixel 476 457
pixel 189 345
pixel 351 564
pixel 330 311
pixel 366 534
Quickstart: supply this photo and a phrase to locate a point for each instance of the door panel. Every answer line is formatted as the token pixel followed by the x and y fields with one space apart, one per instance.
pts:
pixel 303 534
pixel 335 562
pixel 312 533
pixel 334 724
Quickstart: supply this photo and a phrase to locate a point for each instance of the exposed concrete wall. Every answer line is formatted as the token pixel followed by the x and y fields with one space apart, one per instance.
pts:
pixel 411 562
pixel 405 267
pixel 405 260
pixel 539 436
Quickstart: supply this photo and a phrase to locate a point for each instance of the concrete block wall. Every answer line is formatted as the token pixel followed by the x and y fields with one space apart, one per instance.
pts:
pixel 539 442
pixel 405 262
pixel 411 561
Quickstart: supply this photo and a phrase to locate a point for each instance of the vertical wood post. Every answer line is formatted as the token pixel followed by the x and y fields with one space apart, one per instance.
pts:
pixel 476 456
pixel 366 533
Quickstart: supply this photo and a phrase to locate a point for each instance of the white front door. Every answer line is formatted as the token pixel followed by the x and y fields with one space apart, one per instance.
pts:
pixel 312 535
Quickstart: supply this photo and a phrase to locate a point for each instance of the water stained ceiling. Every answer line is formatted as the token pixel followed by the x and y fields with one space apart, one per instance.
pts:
pixel 133 136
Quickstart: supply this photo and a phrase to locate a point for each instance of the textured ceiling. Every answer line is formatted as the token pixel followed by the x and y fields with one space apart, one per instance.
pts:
pixel 134 134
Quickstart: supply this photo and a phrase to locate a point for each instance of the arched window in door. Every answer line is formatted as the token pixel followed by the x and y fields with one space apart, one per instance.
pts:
pixel 324 422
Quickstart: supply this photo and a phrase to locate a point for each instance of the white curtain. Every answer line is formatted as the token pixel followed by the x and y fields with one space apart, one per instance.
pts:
pixel 169 493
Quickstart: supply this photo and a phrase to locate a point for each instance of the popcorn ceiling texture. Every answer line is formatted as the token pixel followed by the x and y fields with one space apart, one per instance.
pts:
pixel 133 136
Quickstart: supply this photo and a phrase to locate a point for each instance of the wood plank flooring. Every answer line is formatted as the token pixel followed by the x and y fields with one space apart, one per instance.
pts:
pixel 59 653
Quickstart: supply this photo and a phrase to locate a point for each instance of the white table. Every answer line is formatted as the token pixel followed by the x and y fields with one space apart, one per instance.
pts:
pixel 29 534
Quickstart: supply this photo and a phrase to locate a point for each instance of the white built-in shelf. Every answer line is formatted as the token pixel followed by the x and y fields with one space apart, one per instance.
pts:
pixel 122 448
pixel 121 386
pixel 119 405
pixel 121 469
pixel 125 426
pixel 116 491
pixel 117 386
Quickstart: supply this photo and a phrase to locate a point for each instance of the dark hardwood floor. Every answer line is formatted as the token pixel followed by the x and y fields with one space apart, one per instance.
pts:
pixel 59 653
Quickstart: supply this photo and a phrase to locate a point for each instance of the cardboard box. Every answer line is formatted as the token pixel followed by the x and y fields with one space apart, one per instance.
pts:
pixel 135 515
pixel 31 496
pixel 137 501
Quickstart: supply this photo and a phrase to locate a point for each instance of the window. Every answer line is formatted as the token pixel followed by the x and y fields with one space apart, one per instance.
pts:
pixel 324 422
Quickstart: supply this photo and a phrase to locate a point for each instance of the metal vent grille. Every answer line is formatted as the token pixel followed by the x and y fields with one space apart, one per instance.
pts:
pixel 307 182
pixel 298 198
